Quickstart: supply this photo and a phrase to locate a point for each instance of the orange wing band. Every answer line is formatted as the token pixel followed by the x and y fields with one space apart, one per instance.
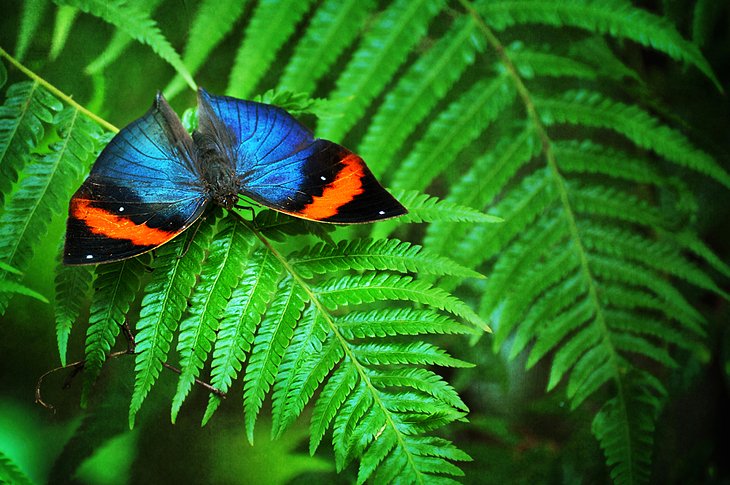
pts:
pixel 104 223
pixel 345 187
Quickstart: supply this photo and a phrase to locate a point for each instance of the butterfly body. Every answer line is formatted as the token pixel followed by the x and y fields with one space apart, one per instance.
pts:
pixel 154 180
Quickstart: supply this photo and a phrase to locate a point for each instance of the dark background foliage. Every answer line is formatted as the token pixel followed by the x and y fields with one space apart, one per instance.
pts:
pixel 517 432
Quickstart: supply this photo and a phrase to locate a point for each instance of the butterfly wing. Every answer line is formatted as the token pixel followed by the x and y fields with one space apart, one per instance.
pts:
pixel 143 190
pixel 282 166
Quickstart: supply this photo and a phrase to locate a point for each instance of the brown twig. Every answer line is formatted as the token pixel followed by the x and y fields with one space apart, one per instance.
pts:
pixel 79 366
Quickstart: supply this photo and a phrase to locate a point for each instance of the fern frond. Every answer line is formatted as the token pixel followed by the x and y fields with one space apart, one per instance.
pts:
pixel 370 287
pixel 418 91
pixel 11 473
pixel 213 21
pixel 120 40
pixel 136 23
pixel 27 106
pixel 13 287
pixel 334 393
pixel 72 289
pixel 402 321
pixel 368 254
pixel 617 18
pixel 329 32
pixel 538 63
pixel 272 23
pixel 219 276
pixel 630 459
pixel 382 50
pixel 46 188
pixel 458 125
pixel 65 17
pixel 30 18
pixel 413 353
pixel 481 184
pixel 306 363
pixel 165 299
pixel 272 339
pixel 241 317
pixel 115 288
pixel 593 109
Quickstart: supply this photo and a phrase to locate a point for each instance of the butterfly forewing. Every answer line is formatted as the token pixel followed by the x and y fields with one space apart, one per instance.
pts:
pixel 143 190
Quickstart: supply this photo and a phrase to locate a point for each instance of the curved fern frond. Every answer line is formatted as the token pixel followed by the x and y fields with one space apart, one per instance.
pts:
pixel 242 316
pixel 418 91
pixel 219 276
pixel 462 122
pixel 617 17
pixel 48 184
pixel 136 23
pixel 120 40
pixel 72 288
pixel 213 21
pixel 115 288
pixel 30 18
pixel 382 49
pixel 329 32
pixel 272 23
pixel 367 254
pixel 165 300
pixel 27 106
pixel 11 473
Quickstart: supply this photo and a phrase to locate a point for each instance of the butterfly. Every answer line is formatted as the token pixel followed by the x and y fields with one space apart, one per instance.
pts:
pixel 154 180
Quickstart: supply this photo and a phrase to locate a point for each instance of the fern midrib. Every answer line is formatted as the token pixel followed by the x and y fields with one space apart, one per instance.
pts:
pixel 569 215
pixel 346 348
pixel 23 113
pixel 38 200
pixel 110 306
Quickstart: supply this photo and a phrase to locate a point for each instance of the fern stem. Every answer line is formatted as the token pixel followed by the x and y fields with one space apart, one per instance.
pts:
pixel 343 342
pixel 57 92
pixel 546 143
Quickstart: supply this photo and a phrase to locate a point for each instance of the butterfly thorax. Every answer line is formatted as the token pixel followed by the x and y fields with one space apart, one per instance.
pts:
pixel 220 180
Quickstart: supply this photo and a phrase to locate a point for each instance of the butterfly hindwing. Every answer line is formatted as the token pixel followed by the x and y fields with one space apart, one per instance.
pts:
pixel 282 166
pixel 143 190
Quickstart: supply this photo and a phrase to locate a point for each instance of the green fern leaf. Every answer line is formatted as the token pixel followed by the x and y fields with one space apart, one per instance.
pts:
pixel 272 23
pixel 418 91
pixel 462 122
pixel 213 21
pixel 312 361
pixel 120 39
pixel 115 289
pixel 241 317
pixel 136 23
pixel 413 353
pixel 370 287
pixel 630 458
pixel 272 339
pixel 368 254
pixel 536 63
pixel 402 321
pixel 615 17
pixel 45 190
pixel 72 289
pixel 11 473
pixel 329 32
pixel 31 16
pixel 220 274
pixel 382 50
pixel 334 393
pixel 592 109
pixel 27 106
pixel 481 184
pixel 165 299
pixel 65 17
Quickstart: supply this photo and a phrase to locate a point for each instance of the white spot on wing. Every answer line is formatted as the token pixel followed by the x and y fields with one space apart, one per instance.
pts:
pixel 89 256
pixel 382 213
pixel 323 177
pixel 121 209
